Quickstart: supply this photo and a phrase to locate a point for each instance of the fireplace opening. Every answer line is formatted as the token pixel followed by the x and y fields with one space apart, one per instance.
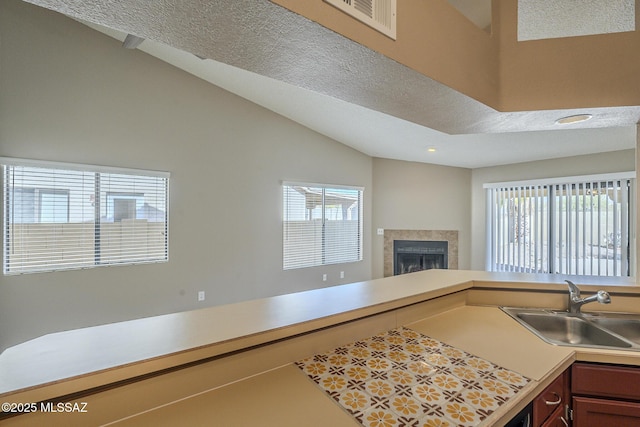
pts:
pixel 417 255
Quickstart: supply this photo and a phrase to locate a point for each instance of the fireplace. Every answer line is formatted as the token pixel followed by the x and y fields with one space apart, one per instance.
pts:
pixel 417 255
pixel 448 259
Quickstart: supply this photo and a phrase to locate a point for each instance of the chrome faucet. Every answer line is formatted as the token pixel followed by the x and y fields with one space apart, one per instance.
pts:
pixel 576 303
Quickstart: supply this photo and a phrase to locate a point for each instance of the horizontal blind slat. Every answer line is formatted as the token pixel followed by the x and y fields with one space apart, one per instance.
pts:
pixel 321 225
pixel 52 213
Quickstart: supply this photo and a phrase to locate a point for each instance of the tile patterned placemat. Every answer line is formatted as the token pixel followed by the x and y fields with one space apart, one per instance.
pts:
pixel 404 378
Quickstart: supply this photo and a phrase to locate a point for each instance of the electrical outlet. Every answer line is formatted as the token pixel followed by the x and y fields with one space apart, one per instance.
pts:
pixel 324 277
pixel 342 274
pixel 200 295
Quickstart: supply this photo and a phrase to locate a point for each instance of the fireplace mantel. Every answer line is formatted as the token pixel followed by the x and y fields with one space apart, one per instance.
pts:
pixel 450 236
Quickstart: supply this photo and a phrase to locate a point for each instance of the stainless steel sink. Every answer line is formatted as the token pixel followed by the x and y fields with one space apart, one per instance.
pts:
pixel 626 327
pixel 610 330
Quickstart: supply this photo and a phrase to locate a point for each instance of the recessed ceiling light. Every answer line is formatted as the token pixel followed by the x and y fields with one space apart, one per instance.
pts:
pixel 431 149
pixel 573 119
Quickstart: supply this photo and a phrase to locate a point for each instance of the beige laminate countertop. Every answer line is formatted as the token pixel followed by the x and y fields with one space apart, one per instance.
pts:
pixel 73 361
pixel 286 397
pixel 135 347
pixel 139 346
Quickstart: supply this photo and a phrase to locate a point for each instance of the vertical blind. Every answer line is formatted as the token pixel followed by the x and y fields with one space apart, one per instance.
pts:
pixel 577 226
pixel 59 216
pixel 321 225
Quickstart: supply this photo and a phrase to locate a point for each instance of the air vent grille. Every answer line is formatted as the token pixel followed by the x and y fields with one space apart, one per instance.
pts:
pixel 378 14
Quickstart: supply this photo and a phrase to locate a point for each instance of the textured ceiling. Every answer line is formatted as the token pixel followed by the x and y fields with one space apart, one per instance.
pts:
pixel 543 19
pixel 280 50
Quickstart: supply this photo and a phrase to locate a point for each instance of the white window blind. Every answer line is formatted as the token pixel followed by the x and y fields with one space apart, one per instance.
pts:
pixel 59 216
pixel 321 225
pixel 576 226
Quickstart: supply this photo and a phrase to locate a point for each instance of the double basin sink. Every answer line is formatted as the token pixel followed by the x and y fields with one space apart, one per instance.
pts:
pixel 603 330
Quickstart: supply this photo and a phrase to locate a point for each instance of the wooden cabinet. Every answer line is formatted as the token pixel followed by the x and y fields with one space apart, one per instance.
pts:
pixel 591 412
pixel 558 418
pixel 605 395
pixel 549 408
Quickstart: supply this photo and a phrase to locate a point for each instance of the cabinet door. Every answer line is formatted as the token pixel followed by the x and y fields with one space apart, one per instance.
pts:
pixel 556 419
pixel 590 412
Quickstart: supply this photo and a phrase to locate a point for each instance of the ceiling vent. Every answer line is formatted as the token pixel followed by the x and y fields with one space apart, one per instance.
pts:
pixel 378 14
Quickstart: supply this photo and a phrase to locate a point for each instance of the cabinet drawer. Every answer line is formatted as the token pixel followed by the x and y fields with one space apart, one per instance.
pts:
pixel 591 412
pixel 553 397
pixel 605 381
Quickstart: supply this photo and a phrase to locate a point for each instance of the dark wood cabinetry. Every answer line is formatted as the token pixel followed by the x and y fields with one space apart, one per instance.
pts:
pixel 591 412
pixel 549 408
pixel 605 395
pixel 558 418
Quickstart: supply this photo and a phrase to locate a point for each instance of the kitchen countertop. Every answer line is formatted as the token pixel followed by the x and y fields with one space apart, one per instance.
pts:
pixel 121 350
pixel 286 397
pixel 73 361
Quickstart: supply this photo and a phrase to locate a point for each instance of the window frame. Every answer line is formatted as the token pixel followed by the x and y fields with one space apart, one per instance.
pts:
pixel 561 224
pixel 329 255
pixel 158 182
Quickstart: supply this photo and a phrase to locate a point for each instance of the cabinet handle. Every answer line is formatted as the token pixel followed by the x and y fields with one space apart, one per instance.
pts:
pixel 554 403
pixel 564 422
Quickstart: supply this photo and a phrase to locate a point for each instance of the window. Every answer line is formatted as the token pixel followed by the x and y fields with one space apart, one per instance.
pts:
pixel 577 226
pixel 59 216
pixel 321 225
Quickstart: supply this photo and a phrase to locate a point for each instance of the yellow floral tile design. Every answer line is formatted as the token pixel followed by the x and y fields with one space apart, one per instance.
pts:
pixel 334 383
pixel 380 418
pixel 404 405
pixel 404 378
pixel 338 359
pixel 447 382
pixel 462 414
pixel 379 388
pixel 354 400
pixel 357 373
pixel 430 421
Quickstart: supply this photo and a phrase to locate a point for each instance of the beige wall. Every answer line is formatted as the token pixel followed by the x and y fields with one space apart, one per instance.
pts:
pixel 568 72
pixel 433 38
pixel 615 161
pixel 71 94
pixel 418 196
pixel 436 40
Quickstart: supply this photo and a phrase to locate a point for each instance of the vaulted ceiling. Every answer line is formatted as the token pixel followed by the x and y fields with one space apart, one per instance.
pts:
pixel 346 90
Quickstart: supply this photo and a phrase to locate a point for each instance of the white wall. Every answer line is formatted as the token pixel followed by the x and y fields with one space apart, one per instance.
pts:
pixel 615 161
pixel 418 196
pixel 68 93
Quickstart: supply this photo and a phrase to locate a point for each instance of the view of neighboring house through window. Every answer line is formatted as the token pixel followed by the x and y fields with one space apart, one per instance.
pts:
pixel 321 225
pixel 576 226
pixel 59 216
pixel 40 205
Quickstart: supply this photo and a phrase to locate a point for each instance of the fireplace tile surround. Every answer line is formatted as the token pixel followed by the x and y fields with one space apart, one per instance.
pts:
pixel 450 236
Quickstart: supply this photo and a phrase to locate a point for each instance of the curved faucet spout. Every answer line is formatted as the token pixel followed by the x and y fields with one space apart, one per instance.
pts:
pixel 573 289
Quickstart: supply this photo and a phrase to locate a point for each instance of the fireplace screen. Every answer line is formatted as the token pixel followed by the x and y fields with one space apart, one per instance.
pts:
pixel 416 255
